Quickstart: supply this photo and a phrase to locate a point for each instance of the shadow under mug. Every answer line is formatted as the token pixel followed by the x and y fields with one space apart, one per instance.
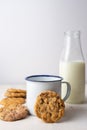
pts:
pixel 39 83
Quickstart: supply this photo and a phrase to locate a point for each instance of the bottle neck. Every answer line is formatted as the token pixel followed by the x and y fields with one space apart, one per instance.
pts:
pixel 72 49
pixel 72 41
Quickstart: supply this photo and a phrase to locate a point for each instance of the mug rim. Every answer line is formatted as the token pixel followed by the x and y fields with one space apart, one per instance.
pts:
pixel 57 78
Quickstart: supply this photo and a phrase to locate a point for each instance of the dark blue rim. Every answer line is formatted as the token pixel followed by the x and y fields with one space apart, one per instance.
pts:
pixel 54 76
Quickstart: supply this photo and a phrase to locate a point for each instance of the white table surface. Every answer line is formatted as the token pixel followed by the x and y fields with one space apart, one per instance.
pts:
pixel 75 118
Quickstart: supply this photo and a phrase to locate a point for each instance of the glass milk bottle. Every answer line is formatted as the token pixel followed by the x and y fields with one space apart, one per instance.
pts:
pixel 72 67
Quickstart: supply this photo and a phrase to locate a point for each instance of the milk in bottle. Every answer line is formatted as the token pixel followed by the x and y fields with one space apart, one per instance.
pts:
pixel 72 67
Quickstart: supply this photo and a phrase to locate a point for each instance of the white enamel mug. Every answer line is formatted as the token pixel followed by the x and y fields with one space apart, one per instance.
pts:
pixel 39 83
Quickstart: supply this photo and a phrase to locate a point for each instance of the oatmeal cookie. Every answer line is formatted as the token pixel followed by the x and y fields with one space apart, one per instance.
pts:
pixel 49 106
pixel 13 90
pixel 15 94
pixel 9 101
pixel 13 113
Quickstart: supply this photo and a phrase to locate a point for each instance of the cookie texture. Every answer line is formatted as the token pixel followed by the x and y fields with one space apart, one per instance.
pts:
pixel 13 113
pixel 9 101
pixel 49 106
pixel 13 90
pixel 12 105
pixel 15 94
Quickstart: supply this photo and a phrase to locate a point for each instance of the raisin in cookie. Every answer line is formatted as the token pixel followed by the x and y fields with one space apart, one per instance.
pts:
pixel 49 106
pixel 13 112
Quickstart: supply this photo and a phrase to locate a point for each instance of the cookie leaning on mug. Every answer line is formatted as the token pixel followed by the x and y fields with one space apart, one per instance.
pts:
pixel 49 106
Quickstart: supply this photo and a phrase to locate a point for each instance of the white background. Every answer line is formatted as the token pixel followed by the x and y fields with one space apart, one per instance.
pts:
pixel 31 35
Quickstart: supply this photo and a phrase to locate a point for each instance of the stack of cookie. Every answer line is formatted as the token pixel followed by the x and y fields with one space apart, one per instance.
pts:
pixel 14 96
pixel 12 105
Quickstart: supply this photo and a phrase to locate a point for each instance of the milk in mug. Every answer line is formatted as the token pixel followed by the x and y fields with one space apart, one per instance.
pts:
pixel 74 73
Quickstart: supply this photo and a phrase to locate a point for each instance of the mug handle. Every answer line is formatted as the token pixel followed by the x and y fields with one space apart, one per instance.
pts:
pixel 68 90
